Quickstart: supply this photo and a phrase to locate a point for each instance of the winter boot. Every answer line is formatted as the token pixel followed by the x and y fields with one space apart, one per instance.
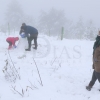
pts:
pixel 35 48
pixel 27 49
pixel 88 88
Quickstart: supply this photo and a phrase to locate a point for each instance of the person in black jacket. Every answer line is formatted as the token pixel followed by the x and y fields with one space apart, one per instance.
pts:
pixel 31 33
pixel 96 63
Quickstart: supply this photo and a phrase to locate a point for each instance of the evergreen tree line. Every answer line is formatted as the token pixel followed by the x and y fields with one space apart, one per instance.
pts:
pixel 49 23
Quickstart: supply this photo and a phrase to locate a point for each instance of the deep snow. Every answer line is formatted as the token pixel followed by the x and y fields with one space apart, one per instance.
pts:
pixel 65 68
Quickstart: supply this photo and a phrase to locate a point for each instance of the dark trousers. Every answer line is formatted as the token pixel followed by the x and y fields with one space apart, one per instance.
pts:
pixel 30 40
pixel 10 43
pixel 95 76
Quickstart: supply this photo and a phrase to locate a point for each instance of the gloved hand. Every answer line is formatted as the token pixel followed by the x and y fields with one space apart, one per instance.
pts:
pixel 20 34
pixel 14 46
pixel 23 35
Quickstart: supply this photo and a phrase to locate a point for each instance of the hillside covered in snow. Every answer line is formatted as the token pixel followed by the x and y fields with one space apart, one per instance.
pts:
pixel 57 70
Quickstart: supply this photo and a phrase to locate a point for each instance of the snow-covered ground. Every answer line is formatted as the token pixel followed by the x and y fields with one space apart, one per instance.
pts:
pixel 57 70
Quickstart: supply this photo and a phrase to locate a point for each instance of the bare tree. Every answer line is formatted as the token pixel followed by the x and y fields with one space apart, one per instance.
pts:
pixel 79 29
pixel 90 31
pixel 14 14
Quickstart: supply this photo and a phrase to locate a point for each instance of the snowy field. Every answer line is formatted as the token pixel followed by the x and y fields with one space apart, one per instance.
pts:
pixel 57 70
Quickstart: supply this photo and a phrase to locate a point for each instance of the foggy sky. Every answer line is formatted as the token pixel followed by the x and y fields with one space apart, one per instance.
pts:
pixel 88 9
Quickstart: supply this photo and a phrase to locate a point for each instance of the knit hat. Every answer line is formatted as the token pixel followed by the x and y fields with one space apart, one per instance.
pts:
pixel 23 24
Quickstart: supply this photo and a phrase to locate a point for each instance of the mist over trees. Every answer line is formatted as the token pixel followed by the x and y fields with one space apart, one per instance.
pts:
pixel 52 21
pixel 49 23
pixel 90 31
pixel 15 16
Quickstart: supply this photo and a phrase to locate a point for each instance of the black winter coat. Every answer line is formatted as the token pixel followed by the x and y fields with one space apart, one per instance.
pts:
pixel 29 30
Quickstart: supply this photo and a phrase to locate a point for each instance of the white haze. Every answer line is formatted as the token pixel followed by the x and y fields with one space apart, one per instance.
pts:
pixel 87 9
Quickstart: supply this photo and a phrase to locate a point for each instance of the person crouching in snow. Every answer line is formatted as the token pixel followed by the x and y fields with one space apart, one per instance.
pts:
pixel 11 41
